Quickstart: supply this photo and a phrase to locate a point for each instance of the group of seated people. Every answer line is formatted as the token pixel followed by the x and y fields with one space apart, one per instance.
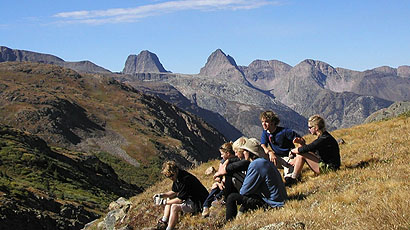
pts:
pixel 248 174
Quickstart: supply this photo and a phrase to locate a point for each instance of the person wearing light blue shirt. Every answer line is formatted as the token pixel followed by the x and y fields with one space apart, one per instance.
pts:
pixel 262 187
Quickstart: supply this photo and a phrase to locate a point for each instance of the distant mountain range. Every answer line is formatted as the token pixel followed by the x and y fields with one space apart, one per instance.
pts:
pixel 69 128
pixel 231 97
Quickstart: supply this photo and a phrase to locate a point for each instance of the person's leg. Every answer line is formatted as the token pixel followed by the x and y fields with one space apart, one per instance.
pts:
pixel 174 214
pixel 211 197
pixel 252 203
pixel 233 200
pixel 311 159
pixel 165 217
pixel 229 187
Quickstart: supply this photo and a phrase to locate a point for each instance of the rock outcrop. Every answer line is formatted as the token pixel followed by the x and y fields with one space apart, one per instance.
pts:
pixel 393 110
pixel 144 62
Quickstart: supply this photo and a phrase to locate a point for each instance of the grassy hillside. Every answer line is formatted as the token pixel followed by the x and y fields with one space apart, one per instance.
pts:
pixel 370 191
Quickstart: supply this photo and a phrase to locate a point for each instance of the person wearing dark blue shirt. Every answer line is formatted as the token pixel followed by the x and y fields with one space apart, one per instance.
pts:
pixel 280 140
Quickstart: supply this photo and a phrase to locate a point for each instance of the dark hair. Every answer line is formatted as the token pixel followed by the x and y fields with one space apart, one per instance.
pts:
pixel 227 148
pixel 270 116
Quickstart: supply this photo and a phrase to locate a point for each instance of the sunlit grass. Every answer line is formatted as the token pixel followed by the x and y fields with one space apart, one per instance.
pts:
pixel 370 191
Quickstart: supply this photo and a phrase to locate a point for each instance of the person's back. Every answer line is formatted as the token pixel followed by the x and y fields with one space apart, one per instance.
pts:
pixel 188 186
pixel 264 178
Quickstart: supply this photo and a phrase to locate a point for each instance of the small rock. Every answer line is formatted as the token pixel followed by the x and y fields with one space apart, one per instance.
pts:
pixel 210 170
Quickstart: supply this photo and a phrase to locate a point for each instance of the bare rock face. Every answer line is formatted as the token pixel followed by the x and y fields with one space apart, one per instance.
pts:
pixel 403 71
pixel 265 74
pixel 145 62
pixel 221 65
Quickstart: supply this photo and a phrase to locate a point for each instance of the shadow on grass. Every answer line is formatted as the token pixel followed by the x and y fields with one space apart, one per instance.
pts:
pixel 363 164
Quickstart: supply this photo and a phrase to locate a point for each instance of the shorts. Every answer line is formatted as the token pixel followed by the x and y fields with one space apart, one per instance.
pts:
pixel 188 206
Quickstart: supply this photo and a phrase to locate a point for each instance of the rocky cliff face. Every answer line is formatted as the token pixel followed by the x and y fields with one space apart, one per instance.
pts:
pixel 9 55
pixel 144 62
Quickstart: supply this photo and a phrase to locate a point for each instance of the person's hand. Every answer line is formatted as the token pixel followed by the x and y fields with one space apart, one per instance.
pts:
pixel 159 200
pixel 272 156
pixel 221 186
pixel 157 195
pixel 222 169
pixel 299 140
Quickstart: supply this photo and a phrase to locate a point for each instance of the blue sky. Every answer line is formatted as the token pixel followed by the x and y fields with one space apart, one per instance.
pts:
pixel 353 34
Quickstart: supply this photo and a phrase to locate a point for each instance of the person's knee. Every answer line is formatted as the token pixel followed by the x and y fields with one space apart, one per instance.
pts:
pixel 175 208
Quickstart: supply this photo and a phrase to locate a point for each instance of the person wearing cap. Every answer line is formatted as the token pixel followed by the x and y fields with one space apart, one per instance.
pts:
pixel 322 155
pixel 187 195
pixel 262 187
pixel 280 140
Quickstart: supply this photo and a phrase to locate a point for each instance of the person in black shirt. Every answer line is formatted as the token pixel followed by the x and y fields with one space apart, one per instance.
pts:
pixel 322 155
pixel 187 195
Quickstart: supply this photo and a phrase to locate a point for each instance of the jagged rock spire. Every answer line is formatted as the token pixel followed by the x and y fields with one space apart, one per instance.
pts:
pixel 145 62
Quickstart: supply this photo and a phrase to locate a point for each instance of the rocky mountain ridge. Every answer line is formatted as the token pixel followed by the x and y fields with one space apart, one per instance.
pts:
pixel 10 55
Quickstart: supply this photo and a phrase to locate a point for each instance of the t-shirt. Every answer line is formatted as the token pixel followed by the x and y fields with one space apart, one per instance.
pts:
pixel 326 147
pixel 263 179
pixel 187 186
pixel 281 140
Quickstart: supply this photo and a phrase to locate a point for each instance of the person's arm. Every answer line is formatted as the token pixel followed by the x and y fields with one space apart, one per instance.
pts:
pixel 251 182
pixel 169 194
pixel 238 166
pixel 175 200
pixel 222 169
pixel 270 153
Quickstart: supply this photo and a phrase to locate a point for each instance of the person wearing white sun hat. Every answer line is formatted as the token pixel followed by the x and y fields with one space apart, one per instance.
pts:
pixel 262 187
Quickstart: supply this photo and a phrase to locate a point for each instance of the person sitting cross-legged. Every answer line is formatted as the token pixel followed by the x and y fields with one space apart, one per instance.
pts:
pixel 262 187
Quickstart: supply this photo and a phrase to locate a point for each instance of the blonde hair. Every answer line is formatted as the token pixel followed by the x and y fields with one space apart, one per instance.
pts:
pixel 169 169
pixel 270 116
pixel 318 122
pixel 227 148
pixel 236 146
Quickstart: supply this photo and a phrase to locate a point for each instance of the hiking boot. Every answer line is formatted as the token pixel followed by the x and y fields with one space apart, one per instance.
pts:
pixel 205 212
pixel 289 181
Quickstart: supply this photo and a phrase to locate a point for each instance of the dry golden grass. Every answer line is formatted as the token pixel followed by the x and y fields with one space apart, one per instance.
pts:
pixel 370 191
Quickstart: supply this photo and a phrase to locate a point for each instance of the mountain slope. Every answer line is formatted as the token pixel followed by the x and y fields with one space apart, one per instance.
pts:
pixel 52 188
pixel 98 114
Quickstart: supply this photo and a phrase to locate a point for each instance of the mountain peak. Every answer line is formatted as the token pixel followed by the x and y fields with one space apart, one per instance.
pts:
pixel 144 62
pixel 220 64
